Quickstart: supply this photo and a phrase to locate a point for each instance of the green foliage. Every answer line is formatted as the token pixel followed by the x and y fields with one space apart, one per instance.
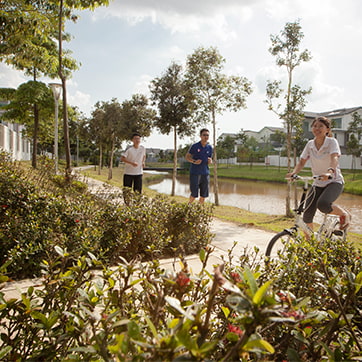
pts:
pixel 286 49
pixel 139 311
pixel 97 300
pixel 40 211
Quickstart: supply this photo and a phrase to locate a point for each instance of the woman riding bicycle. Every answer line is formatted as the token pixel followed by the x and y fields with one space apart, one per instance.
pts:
pixel 323 153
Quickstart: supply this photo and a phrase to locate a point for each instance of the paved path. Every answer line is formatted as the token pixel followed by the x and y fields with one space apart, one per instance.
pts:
pixel 225 234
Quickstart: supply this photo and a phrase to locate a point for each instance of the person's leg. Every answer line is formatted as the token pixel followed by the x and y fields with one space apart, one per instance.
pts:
pixel 311 205
pixel 194 187
pixel 137 183
pixel 325 204
pixel 204 187
pixel 127 180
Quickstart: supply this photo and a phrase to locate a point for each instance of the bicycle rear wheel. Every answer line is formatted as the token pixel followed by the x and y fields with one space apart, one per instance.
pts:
pixel 278 243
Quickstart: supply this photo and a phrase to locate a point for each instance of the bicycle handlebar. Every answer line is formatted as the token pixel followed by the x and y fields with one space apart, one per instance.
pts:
pixel 307 178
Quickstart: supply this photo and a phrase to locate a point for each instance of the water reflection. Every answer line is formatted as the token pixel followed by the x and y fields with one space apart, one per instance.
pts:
pixel 257 196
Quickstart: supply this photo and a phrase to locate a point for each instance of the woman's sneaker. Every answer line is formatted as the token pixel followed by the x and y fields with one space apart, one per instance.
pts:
pixel 344 221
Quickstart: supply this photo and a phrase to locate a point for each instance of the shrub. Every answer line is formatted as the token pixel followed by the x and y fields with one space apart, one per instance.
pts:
pixel 138 311
pixel 40 210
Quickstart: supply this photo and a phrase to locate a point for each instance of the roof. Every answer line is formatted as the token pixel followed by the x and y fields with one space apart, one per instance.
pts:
pixel 335 113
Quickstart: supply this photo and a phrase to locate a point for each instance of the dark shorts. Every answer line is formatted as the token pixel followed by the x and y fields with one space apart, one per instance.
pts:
pixel 321 198
pixel 134 181
pixel 199 182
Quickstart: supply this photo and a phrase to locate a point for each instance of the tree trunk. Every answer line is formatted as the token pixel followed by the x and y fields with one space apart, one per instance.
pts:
pixel 68 169
pixel 174 172
pixel 289 125
pixel 35 136
pixel 110 169
pixel 100 159
pixel 216 186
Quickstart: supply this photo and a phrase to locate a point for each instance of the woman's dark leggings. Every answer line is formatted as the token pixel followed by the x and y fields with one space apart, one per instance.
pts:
pixel 321 198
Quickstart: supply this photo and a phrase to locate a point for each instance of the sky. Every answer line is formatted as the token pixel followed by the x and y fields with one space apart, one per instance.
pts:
pixel 122 47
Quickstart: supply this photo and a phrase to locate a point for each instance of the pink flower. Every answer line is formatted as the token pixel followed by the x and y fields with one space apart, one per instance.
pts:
pixel 235 329
pixel 182 279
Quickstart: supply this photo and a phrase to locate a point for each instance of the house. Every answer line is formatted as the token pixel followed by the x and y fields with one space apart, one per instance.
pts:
pixel 263 137
pixel 12 140
pixel 341 118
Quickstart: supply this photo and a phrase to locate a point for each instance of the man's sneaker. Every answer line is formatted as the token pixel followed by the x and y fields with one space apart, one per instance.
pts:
pixel 344 221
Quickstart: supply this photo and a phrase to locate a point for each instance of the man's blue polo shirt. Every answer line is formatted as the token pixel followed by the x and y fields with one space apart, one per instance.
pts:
pixel 199 152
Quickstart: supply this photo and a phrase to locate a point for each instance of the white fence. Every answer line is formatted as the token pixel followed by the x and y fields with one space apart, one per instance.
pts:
pixel 12 141
pixel 345 162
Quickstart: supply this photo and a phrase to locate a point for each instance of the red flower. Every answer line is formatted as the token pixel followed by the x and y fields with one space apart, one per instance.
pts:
pixel 235 329
pixel 293 313
pixel 236 277
pixel 182 279
pixel 4 206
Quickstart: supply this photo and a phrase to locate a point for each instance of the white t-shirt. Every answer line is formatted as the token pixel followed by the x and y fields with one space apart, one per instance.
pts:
pixel 134 155
pixel 320 159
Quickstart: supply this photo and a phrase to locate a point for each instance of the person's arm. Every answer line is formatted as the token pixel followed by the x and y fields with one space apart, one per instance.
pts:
pixel 125 160
pixel 189 158
pixel 333 164
pixel 298 167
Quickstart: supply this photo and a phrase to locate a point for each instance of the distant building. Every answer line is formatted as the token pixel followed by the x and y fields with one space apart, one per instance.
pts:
pixel 12 140
pixel 341 118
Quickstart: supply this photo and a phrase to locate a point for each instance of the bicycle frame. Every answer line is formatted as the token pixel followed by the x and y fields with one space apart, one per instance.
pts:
pixel 326 228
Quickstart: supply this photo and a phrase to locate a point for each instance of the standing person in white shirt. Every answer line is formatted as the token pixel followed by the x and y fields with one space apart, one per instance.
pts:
pixel 134 158
pixel 323 153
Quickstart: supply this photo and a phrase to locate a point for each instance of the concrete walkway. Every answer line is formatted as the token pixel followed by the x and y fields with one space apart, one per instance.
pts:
pixel 225 235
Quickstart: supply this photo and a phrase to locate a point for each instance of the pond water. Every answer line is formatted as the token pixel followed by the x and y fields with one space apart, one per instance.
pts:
pixel 257 196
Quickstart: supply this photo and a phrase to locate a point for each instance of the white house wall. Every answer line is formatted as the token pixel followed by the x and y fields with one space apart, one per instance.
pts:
pixel 13 142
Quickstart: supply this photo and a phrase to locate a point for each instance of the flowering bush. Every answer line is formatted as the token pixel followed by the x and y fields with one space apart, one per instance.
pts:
pixel 139 311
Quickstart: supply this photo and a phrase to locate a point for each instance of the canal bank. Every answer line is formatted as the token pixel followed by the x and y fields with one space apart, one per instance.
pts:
pixel 258 197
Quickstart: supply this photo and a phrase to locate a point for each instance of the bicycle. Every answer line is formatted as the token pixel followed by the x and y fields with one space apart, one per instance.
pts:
pixel 329 228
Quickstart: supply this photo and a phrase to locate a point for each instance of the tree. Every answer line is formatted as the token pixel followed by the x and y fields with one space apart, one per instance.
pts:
pixel 226 147
pixel 97 131
pixel 112 123
pixel 173 99
pixel 65 11
pixel 354 130
pixel 27 42
pixel 285 47
pixel 32 105
pixel 214 92
pixel 137 116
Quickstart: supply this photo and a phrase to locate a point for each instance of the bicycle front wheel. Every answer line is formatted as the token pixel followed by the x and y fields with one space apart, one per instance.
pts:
pixel 279 243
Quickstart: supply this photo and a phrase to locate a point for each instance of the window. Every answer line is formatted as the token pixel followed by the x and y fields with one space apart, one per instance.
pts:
pixel 336 122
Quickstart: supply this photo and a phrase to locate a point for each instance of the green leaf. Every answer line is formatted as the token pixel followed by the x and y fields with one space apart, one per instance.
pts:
pixel 208 346
pixel 251 281
pixel 185 338
pixel 226 311
pixel 259 295
pixel 293 355
pixel 5 351
pixel 259 344
pixel 133 330
pixel 202 254
pixel 152 328
pixel 59 250
pixel 175 304
pixel 358 281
